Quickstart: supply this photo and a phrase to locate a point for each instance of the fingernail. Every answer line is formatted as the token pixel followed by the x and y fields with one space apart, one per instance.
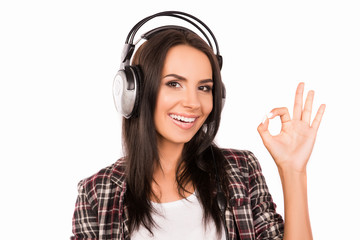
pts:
pixel 264 119
pixel 269 115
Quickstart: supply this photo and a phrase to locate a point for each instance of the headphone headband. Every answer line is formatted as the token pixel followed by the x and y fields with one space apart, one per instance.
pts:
pixel 182 15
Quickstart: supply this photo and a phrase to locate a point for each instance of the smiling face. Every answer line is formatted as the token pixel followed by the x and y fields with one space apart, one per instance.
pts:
pixel 185 97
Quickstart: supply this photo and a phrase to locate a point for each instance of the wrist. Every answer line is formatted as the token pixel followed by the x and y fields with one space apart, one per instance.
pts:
pixel 289 169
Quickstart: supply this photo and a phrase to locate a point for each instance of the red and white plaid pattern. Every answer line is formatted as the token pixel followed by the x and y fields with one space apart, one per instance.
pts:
pixel 100 212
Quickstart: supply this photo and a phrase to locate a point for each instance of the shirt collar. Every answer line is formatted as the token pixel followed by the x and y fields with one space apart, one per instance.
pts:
pixel 118 175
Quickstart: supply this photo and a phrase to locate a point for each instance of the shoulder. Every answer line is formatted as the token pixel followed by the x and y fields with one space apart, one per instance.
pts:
pixel 241 166
pixel 240 158
pixel 236 154
pixel 108 177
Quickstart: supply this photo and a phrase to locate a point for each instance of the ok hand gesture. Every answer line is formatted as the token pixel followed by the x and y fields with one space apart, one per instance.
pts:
pixel 292 147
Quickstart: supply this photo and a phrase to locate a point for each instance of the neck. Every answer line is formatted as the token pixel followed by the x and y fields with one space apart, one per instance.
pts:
pixel 170 154
pixel 164 186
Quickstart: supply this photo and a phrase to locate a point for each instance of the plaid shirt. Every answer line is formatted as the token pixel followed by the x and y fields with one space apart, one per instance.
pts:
pixel 101 214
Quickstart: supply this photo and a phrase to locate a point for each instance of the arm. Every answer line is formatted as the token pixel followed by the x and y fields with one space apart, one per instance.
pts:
pixel 251 202
pixel 297 220
pixel 291 150
pixel 85 222
pixel 268 224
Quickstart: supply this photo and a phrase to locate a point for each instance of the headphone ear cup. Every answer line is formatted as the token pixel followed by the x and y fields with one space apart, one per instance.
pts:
pixel 223 93
pixel 126 90
pixel 138 79
pixel 220 60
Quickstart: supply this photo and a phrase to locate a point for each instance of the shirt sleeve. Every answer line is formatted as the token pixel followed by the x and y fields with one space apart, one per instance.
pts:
pixel 268 223
pixel 85 222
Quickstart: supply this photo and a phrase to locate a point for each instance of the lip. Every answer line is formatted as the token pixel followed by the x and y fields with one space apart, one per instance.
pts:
pixel 184 125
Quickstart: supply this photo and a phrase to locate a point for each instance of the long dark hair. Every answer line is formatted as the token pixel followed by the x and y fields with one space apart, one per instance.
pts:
pixel 196 165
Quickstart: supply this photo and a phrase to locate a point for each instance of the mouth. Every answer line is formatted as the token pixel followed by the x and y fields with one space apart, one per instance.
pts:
pixel 182 121
pixel 182 118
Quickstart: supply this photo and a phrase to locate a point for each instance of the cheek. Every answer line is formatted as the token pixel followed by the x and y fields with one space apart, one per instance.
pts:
pixel 207 105
pixel 164 103
pixel 209 109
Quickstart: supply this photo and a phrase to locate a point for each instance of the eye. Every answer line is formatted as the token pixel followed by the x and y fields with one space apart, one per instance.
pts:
pixel 206 88
pixel 173 84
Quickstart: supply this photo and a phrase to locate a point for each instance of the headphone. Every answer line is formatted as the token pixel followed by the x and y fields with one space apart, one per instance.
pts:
pixel 127 82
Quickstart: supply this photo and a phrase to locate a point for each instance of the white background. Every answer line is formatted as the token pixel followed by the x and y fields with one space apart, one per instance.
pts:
pixel 58 123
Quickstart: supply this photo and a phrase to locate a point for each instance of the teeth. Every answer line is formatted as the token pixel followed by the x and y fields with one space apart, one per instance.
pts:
pixel 182 118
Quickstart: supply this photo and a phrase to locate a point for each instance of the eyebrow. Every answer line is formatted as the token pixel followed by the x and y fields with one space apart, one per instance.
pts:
pixel 184 79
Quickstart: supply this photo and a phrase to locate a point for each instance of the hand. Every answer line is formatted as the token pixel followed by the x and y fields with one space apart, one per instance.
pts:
pixel 292 147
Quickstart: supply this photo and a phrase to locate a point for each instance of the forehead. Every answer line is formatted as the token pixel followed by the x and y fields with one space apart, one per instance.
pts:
pixel 188 62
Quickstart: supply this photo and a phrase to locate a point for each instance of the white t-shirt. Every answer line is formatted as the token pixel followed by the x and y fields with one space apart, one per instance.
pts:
pixel 178 220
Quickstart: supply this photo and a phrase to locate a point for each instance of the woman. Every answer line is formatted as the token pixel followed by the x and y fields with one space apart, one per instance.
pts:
pixel 173 178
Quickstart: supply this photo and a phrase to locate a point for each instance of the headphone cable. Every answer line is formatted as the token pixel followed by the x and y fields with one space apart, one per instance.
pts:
pixel 220 197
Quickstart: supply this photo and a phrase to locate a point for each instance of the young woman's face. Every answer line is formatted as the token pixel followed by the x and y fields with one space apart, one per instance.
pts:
pixel 185 97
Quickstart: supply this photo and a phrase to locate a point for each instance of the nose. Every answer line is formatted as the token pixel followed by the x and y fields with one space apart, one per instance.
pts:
pixel 191 99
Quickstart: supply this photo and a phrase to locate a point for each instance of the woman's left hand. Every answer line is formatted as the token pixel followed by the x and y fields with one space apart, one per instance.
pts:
pixel 292 147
